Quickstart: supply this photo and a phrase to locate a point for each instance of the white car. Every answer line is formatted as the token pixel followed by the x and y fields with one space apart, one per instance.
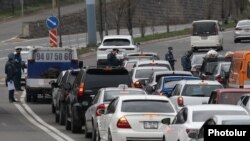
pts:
pixel 100 104
pixel 206 34
pixel 143 56
pixel 220 120
pixel 124 43
pixel 245 102
pixel 191 118
pixel 143 73
pixel 153 63
pixel 193 92
pixel 242 31
pixel 134 118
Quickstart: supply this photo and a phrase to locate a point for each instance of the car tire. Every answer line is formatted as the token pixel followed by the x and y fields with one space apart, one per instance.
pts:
pixel 67 122
pixel 53 110
pixel 56 117
pixel 75 127
pixel 94 137
pixel 87 135
pixel 61 115
pixel 97 138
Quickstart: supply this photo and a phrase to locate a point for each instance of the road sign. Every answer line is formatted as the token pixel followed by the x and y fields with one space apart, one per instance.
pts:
pixel 52 22
pixel 53 37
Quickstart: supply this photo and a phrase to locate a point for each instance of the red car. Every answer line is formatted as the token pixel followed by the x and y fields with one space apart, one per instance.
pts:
pixel 227 96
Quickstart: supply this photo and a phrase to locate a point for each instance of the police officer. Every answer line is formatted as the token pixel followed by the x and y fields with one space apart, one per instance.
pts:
pixel 186 60
pixel 112 59
pixel 169 56
pixel 10 71
pixel 18 65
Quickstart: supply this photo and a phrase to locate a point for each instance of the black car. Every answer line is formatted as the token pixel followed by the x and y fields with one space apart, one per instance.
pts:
pixel 63 89
pixel 85 87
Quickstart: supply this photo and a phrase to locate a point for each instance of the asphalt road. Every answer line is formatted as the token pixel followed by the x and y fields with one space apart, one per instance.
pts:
pixel 18 122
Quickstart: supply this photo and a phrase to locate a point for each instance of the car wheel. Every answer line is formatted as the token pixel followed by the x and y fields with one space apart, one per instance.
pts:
pixel 67 122
pixel 163 139
pixel 87 135
pixel 75 127
pixel 93 133
pixel 62 115
pixel 56 117
pixel 109 136
pixel 97 137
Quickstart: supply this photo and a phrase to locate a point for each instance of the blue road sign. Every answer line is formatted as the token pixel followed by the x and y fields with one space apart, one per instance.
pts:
pixel 52 22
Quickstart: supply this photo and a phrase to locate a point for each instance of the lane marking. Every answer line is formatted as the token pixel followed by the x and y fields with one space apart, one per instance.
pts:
pixel 36 120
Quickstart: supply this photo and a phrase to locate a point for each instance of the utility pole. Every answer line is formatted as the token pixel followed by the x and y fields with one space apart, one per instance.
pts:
pixel 105 18
pixel 60 23
pixel 21 2
pixel 91 22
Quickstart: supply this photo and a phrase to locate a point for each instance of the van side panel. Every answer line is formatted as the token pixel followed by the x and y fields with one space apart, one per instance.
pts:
pixel 234 78
pixel 246 74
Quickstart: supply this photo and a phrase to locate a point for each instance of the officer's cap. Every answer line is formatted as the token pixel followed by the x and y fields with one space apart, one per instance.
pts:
pixel 170 48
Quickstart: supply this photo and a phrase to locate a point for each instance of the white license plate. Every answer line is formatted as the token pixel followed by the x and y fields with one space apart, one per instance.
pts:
pixel 204 38
pixel 150 125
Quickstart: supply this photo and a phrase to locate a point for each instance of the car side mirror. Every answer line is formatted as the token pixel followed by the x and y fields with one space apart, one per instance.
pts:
pixel 166 121
pixel 80 64
pixel 67 86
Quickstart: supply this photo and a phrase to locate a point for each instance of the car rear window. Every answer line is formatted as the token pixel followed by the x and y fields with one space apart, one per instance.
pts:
pixel 230 98
pixel 110 95
pixel 202 116
pixel 146 73
pixel 202 90
pixel 152 65
pixel 147 106
pixel 204 28
pixel 116 42
pixel 101 78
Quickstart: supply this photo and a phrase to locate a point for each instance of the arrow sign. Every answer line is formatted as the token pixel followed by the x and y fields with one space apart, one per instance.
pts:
pixel 52 22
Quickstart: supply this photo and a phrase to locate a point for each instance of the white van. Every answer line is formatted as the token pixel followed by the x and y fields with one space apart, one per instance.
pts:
pixel 206 34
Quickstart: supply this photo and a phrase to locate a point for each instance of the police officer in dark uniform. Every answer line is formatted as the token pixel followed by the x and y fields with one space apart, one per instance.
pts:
pixel 10 71
pixel 18 65
pixel 186 60
pixel 169 56
pixel 112 59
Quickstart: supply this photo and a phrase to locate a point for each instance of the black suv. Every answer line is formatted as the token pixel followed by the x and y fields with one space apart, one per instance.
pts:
pixel 59 96
pixel 85 87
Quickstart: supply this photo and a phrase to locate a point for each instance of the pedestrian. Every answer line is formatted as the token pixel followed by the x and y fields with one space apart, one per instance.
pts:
pixel 169 56
pixel 10 71
pixel 112 59
pixel 186 60
pixel 18 64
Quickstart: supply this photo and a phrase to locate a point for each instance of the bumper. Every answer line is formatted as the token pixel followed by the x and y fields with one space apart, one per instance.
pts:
pixel 32 90
pixel 242 37
pixel 210 44
pixel 130 135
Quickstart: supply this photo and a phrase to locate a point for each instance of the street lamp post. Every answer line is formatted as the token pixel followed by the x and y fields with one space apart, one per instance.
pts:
pixel 60 23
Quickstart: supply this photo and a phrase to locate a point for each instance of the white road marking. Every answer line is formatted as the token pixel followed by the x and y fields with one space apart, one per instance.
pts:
pixel 37 121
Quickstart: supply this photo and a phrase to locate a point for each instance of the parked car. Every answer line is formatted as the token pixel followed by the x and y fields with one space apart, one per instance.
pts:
pixel 190 119
pixel 227 96
pixel 100 104
pixel 167 83
pixel 134 118
pixel 245 102
pixel 64 87
pixel 86 86
pixel 153 63
pixel 156 76
pixel 220 120
pixel 242 31
pixel 193 92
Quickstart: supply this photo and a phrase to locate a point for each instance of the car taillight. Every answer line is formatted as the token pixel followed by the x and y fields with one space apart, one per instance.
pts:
pixel 123 123
pixel 100 109
pixel 180 101
pixel 81 89
pixel 238 29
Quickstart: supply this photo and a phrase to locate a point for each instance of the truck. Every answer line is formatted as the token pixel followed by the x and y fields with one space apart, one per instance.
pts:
pixel 44 65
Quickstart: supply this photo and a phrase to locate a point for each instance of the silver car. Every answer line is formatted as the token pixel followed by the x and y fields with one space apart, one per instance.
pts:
pixel 242 31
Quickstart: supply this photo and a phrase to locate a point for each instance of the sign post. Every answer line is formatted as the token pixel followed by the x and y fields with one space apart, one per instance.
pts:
pixel 52 23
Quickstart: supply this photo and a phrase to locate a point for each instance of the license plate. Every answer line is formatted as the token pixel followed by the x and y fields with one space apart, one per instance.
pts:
pixel 52 56
pixel 150 125
pixel 204 37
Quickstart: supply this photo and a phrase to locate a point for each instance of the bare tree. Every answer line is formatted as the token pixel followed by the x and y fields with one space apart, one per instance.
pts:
pixel 100 27
pixel 118 9
pixel 130 7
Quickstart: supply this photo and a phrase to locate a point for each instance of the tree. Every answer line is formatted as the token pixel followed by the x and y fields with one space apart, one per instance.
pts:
pixel 130 7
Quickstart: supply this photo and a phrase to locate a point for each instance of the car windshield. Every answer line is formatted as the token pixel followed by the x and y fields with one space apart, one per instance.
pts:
pixel 146 106
pixel 111 94
pixel 203 90
pixel 146 73
pixel 230 98
pixel 202 116
pixel 170 84
pixel 116 42
pixel 204 28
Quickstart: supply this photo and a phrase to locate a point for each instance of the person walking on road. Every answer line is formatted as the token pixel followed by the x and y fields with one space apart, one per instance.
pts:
pixel 112 59
pixel 10 71
pixel 186 61
pixel 169 56
pixel 18 64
